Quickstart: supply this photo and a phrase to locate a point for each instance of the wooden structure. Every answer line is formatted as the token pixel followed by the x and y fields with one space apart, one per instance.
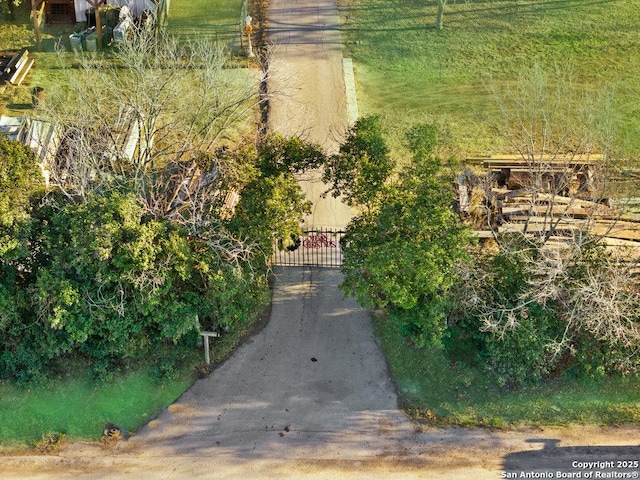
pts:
pixel 96 4
pixel 38 8
pixel 514 171
pixel 524 211
pixel 62 11
pixel 554 211
pixel 14 67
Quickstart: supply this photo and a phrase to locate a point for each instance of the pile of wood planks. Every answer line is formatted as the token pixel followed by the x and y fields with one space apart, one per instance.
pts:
pixel 16 66
pixel 521 211
pixel 555 214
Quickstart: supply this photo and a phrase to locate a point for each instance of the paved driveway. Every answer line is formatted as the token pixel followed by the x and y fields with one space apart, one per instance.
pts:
pixel 311 383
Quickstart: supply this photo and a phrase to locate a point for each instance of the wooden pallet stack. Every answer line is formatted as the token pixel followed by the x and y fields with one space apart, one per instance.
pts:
pixel 547 213
pixel 522 211
pixel 16 66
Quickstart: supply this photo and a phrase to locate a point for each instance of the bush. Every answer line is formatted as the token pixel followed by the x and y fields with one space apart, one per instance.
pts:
pixel 512 357
pixel 520 355
pixel 424 324
pixel 111 284
pixel 531 313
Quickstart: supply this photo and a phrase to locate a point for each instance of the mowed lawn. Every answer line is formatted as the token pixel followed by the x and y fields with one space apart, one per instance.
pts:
pixel 79 408
pixel 409 72
pixel 444 392
pixel 218 20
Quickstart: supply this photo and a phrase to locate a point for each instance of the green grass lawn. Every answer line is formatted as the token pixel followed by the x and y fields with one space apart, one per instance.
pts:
pixel 409 72
pixel 435 390
pixel 218 20
pixel 79 408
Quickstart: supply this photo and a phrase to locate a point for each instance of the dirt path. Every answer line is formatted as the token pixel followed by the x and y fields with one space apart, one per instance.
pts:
pixel 308 90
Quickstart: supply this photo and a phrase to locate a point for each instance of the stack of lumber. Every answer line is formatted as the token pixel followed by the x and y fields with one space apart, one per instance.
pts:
pixel 558 210
pixel 15 67
pixel 539 213
pixel 549 163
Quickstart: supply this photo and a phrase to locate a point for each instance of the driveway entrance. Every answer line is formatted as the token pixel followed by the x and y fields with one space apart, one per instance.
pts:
pixel 312 380
pixel 314 248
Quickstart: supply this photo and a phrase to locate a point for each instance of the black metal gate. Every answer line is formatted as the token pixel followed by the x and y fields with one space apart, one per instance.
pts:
pixel 317 248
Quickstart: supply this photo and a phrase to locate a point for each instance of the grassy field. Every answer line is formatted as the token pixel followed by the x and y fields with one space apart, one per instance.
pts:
pixel 444 394
pixel 410 72
pixel 218 20
pixel 79 408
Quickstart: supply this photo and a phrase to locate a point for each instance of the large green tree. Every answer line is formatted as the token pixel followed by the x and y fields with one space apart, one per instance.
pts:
pixel 272 205
pixel 402 255
pixel 104 277
pixel 362 166
pixel 142 241
pixel 111 283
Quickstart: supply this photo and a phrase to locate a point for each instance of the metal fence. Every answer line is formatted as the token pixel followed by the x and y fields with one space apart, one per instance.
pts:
pixel 316 248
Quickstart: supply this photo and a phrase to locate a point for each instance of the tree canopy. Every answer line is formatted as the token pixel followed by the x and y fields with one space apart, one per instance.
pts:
pixel 362 166
pixel 131 249
pixel 401 255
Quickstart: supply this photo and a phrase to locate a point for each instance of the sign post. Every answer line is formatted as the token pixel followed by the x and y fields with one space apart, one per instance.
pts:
pixel 206 336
